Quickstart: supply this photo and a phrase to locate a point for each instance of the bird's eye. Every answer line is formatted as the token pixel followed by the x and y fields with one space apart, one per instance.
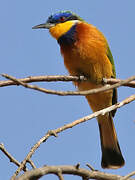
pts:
pixel 62 18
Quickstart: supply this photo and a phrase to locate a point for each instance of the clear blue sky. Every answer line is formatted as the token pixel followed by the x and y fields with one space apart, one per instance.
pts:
pixel 26 115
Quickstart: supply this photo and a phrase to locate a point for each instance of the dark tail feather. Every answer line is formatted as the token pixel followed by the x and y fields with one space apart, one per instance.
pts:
pixel 111 154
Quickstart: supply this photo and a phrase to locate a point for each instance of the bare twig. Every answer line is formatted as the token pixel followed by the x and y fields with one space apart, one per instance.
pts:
pixel 70 125
pixel 59 174
pixel 128 176
pixel 64 93
pixel 31 163
pixel 68 170
pixel 55 78
pixel 89 166
pixel 114 81
pixel 11 158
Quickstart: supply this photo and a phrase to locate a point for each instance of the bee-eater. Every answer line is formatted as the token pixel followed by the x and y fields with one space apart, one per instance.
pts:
pixel 86 52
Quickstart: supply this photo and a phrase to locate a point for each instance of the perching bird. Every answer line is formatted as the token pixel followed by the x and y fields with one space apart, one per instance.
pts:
pixel 86 52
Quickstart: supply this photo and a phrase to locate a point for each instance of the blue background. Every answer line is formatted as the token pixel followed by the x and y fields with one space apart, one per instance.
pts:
pixel 26 115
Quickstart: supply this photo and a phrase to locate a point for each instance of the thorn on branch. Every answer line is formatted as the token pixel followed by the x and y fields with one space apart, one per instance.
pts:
pixel 52 133
pixel 77 166
pixel 91 167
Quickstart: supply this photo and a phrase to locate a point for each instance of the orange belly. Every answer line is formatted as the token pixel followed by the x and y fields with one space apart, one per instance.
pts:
pixel 95 71
pixel 87 57
pixel 97 101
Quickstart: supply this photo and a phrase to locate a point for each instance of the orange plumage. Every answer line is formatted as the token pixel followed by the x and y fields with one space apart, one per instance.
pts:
pixel 88 57
pixel 86 52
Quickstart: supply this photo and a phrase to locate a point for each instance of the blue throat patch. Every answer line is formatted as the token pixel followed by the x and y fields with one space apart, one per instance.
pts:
pixel 68 38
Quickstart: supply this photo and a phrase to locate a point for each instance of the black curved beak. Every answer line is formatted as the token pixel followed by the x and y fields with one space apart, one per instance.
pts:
pixel 44 26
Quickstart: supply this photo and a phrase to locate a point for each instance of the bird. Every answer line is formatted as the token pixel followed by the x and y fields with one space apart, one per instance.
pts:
pixel 86 52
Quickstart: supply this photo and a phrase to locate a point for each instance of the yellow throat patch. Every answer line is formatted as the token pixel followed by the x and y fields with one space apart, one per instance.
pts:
pixel 61 28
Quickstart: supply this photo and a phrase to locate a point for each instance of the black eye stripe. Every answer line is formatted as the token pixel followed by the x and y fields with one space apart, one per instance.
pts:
pixel 72 18
pixel 53 20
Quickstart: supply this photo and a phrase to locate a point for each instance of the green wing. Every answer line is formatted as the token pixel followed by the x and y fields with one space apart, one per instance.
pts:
pixel 109 55
pixel 114 98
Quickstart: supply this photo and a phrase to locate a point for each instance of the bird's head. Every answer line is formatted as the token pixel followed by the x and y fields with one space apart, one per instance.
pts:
pixel 60 23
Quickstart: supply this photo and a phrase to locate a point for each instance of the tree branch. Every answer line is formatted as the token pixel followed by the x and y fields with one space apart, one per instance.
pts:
pixel 64 93
pixel 55 78
pixel 69 170
pixel 115 83
pixel 11 158
pixel 128 176
pixel 70 125
pixel 31 163
pixel 59 174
